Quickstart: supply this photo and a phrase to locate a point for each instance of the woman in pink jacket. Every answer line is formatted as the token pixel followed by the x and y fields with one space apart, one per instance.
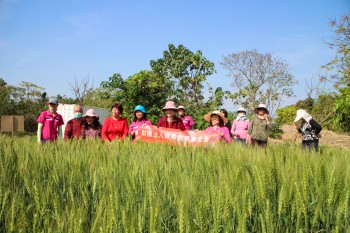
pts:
pixel 240 126
pixel 217 122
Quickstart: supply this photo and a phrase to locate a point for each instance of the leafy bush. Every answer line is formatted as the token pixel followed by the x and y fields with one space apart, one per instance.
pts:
pixel 275 131
pixel 286 115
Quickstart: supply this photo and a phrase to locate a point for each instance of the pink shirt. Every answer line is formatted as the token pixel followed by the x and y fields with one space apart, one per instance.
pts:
pixel 137 124
pixel 223 129
pixel 188 122
pixel 240 128
pixel 50 125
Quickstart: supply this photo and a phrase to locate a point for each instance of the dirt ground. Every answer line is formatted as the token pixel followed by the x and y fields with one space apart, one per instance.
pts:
pixel 328 138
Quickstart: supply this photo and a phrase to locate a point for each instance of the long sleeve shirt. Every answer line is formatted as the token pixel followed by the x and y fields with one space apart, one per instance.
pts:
pixel 240 128
pixel 258 129
pixel 310 130
pixel 114 129
pixel 74 128
pixel 175 124
pixel 223 129
pixel 188 122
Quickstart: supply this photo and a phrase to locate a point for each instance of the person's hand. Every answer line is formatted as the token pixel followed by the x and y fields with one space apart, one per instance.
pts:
pixel 295 125
pixel 248 140
pixel 266 118
pixel 133 133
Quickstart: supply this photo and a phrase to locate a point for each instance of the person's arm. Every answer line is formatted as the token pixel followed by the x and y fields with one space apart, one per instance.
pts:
pixel 125 129
pixel 39 132
pixel 104 130
pixel 316 126
pixel 227 135
pixel 59 128
pixel 233 129
pixel 181 126
pixel 68 131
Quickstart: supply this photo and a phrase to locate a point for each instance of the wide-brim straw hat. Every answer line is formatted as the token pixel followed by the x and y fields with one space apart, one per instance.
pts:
pixel 300 114
pixel 221 115
pixel 169 105
pixel 261 106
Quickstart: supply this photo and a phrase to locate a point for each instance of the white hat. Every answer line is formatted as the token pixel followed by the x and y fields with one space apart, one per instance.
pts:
pixel 241 110
pixel 181 107
pixel 301 113
pixel 261 106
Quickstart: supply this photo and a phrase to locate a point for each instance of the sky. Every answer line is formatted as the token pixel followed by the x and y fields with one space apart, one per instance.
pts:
pixel 53 43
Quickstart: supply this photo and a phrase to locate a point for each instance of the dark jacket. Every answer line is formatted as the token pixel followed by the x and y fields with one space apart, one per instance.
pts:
pixel 175 124
pixel 310 130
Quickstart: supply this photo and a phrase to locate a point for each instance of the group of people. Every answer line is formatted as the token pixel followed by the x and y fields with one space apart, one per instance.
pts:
pixel 116 127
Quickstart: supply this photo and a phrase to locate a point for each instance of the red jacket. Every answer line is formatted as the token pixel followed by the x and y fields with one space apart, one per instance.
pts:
pixel 112 129
pixel 175 124
pixel 74 128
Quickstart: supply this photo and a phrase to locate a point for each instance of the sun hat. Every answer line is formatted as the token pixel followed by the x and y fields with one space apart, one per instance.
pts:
pixel 261 106
pixel 221 115
pixel 169 105
pixel 140 108
pixel 53 100
pixel 301 113
pixel 241 110
pixel 90 113
pixel 181 107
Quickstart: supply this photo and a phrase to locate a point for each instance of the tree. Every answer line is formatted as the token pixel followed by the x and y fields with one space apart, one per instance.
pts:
pixel 79 89
pixel 187 71
pixel 148 89
pixel 258 78
pixel 341 42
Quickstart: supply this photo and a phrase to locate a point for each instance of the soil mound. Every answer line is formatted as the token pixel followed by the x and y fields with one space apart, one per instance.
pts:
pixel 327 137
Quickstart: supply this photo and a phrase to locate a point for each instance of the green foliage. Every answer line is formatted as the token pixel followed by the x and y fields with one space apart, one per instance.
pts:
pixel 306 104
pixel 28 100
pixel 275 131
pixel 138 187
pixel 187 71
pixel 148 89
pixel 323 111
pixel 341 42
pixel 286 115
pixel 342 110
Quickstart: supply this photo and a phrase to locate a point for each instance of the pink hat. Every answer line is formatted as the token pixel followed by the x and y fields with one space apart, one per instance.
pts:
pixel 90 113
pixel 170 105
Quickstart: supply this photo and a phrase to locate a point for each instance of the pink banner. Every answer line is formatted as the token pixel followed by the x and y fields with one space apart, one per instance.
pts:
pixel 151 133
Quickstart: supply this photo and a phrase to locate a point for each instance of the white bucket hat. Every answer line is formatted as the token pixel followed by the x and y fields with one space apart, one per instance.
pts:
pixel 242 110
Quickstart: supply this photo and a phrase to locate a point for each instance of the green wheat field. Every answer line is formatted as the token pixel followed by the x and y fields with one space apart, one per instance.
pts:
pixel 139 187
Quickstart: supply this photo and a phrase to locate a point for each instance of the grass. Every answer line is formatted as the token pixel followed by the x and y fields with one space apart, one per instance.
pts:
pixel 126 187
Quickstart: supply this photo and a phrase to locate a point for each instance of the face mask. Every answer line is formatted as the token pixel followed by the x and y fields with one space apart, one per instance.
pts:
pixel 241 114
pixel 77 115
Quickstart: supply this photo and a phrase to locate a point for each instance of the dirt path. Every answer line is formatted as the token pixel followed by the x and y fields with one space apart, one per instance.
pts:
pixel 328 138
